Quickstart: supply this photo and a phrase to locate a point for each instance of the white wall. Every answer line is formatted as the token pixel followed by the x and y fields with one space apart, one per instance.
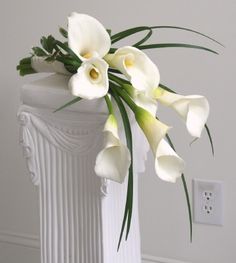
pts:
pixel 164 223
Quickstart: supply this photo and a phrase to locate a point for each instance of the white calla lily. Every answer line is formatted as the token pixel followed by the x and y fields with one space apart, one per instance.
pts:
pixel 91 80
pixel 114 160
pixel 153 129
pixel 87 37
pixel 168 165
pixel 194 109
pixel 136 66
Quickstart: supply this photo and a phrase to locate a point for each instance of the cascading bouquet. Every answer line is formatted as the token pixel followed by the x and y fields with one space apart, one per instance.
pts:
pixel 129 76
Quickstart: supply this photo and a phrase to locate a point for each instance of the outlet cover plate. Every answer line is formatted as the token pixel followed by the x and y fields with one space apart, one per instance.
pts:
pixel 208 202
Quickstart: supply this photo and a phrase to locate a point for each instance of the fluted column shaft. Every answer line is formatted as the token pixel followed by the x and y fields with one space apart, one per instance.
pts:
pixel 80 213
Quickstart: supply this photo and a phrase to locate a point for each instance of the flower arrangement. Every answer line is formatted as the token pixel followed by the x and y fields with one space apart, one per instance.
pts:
pixel 128 77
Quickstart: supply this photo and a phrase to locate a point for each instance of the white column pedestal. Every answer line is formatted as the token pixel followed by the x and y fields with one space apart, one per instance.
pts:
pixel 80 214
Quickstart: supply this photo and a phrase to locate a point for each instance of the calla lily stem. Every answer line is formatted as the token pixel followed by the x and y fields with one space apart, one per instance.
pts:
pixel 124 95
pixel 109 105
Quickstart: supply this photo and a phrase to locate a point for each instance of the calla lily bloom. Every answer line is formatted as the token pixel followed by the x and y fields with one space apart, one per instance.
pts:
pixel 87 37
pixel 194 109
pixel 153 129
pixel 136 66
pixel 168 165
pixel 91 80
pixel 114 160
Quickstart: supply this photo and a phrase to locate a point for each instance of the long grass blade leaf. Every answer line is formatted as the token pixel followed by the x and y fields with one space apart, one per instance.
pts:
pixel 210 139
pixel 68 104
pixel 166 88
pixel 189 206
pixel 189 30
pixel 186 193
pixel 176 45
pixel 128 32
pixel 67 49
pixel 129 198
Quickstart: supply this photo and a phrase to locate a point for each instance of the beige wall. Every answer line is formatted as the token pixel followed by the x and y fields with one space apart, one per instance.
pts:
pixel 164 224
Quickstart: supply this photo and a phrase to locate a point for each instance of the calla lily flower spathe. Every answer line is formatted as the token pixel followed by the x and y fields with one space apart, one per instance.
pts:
pixel 87 37
pixel 89 40
pixel 136 66
pixel 194 109
pixel 91 80
pixel 153 129
pixel 114 160
pixel 168 165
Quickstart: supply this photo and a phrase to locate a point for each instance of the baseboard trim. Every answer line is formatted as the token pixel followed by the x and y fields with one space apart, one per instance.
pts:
pixel 32 241
pixel 152 259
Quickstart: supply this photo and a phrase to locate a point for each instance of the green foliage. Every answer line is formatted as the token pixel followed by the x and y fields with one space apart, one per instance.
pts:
pixel 174 45
pixel 128 32
pixel 187 29
pixel 109 32
pixel 63 32
pixel 48 43
pixel 39 52
pixel 129 198
pixel 210 139
pixel 186 194
pixel 77 99
pixel 24 67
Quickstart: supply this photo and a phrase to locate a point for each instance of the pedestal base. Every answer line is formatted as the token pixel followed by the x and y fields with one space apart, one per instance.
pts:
pixel 80 213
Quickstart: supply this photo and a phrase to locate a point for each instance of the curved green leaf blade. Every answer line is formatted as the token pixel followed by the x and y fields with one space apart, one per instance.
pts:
pixel 189 30
pixel 166 88
pixel 189 206
pixel 144 39
pixel 128 32
pixel 129 198
pixel 68 50
pixel 186 193
pixel 68 104
pixel 210 139
pixel 176 45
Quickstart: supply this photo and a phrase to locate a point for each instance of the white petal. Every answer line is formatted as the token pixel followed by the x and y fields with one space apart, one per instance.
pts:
pixel 114 160
pixel 87 37
pixel 40 65
pixel 113 163
pixel 136 66
pixel 194 109
pixel 91 80
pixel 153 129
pixel 142 100
pixel 168 165
pixel 197 115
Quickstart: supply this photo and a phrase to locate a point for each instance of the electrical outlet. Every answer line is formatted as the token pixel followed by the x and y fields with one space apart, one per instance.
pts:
pixel 208 202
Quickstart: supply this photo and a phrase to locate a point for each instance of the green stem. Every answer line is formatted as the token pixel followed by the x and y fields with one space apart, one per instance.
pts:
pixel 124 95
pixel 116 79
pixel 67 49
pixel 119 79
pixel 109 105
pixel 129 198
